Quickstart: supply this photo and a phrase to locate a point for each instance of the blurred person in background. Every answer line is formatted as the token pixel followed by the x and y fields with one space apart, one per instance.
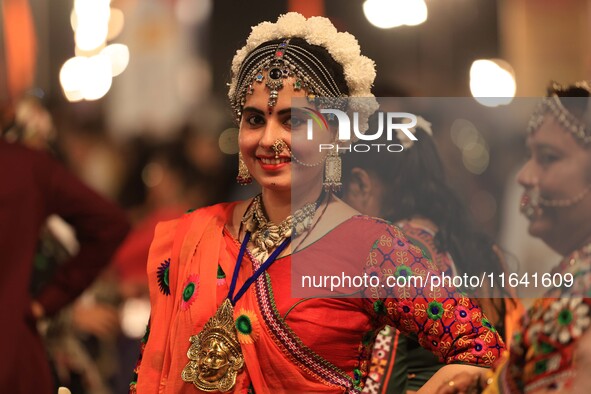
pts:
pixel 557 203
pixel 86 146
pixel 80 339
pixel 35 186
pixel 409 189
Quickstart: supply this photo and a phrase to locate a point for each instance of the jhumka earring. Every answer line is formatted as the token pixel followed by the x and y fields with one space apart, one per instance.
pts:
pixel 243 177
pixel 332 172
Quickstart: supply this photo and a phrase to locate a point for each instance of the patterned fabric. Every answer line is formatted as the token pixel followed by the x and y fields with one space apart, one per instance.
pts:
pixel 248 326
pixel 300 344
pixel 542 351
pixel 190 291
pixel 399 363
pixel 163 277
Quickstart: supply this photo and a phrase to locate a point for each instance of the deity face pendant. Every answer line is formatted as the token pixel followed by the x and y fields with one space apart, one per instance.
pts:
pixel 215 357
pixel 214 361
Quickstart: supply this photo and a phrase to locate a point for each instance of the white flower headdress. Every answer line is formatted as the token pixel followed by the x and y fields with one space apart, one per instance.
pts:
pixel 359 71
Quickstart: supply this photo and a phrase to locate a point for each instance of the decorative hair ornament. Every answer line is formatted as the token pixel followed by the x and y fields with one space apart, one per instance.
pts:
pixel 359 71
pixel 421 124
pixel 274 62
pixel 553 105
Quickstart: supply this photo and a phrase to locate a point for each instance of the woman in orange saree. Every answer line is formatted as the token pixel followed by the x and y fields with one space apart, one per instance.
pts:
pixel 231 308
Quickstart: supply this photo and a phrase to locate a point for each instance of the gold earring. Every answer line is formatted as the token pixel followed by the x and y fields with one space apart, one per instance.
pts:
pixel 243 177
pixel 332 172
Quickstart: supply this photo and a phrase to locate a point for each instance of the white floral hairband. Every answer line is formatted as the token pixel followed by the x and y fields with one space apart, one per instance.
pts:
pixel 359 70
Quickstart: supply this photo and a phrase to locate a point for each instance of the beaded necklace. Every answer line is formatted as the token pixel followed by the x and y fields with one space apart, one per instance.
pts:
pixel 266 235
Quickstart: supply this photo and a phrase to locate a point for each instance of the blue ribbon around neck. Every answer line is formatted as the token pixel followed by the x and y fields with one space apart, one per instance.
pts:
pixel 270 260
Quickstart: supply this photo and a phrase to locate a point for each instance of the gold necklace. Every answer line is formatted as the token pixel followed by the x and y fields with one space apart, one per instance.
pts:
pixel 266 235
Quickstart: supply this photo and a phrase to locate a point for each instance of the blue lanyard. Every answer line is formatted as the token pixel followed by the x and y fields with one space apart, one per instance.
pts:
pixel 257 273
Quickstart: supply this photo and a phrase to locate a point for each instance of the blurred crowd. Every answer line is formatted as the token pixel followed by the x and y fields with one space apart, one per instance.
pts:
pixel 93 344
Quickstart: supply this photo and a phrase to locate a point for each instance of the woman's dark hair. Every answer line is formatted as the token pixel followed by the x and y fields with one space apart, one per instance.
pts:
pixel 414 185
pixel 574 98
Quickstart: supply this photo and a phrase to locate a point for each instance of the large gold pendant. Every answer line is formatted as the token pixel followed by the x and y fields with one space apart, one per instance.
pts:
pixel 215 355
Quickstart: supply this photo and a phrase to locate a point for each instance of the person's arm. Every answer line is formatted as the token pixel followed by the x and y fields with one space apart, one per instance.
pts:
pixel 447 323
pixel 99 224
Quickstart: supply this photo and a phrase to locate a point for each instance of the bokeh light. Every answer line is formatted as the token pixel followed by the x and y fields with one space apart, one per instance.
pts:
pixel 386 14
pixel 492 82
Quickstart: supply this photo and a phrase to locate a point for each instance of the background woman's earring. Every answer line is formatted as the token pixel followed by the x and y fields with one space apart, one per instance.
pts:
pixel 332 172
pixel 243 177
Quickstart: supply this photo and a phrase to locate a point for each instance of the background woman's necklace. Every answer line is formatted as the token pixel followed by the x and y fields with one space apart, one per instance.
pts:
pixel 570 263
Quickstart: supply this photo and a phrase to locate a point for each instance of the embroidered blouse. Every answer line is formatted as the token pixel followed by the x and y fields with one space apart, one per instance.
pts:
pixel 544 346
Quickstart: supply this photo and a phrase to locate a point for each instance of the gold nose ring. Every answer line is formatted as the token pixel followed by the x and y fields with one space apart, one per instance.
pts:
pixel 278 147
